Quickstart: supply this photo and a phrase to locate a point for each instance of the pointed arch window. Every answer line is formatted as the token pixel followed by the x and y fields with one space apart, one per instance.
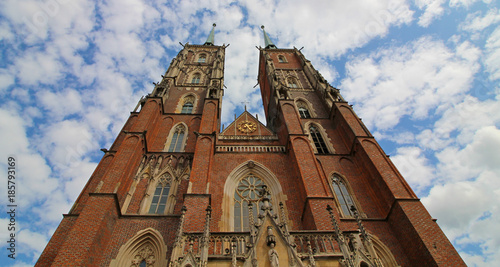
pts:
pixel 177 141
pixel 281 59
pixel 187 108
pixel 304 113
pixel 317 138
pixel 196 78
pixel 143 263
pixel 202 58
pixel 246 192
pixel 160 196
pixel 343 196
pixel 292 83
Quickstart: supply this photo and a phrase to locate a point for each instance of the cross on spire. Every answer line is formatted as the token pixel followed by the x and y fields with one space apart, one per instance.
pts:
pixel 245 103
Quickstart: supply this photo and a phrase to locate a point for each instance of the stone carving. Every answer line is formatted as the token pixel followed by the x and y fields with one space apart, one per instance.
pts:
pixel 273 256
pixel 144 254
pixel 271 239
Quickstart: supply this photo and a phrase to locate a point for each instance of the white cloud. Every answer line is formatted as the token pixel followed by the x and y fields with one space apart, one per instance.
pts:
pixel 476 22
pixel 492 60
pixel 39 67
pixel 411 80
pixel 327 28
pixel 432 9
pixel 464 3
pixel 62 103
pixel 6 79
pixel 32 243
pixel 415 167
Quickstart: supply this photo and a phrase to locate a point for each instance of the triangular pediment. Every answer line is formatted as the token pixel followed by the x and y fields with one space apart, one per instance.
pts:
pixel 246 125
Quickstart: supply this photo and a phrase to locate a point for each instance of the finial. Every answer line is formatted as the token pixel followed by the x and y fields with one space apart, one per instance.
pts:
pixel 210 39
pixel 269 44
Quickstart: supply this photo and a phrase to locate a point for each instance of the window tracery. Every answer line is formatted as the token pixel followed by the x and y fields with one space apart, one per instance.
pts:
pixel 202 58
pixel 342 194
pixel 318 140
pixel 177 139
pixel 247 191
pixel 292 82
pixel 303 110
pixel 144 257
pixel 196 78
pixel 161 194
pixel 187 107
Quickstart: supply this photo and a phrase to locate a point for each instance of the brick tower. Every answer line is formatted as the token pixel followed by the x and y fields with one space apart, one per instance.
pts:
pixel 310 188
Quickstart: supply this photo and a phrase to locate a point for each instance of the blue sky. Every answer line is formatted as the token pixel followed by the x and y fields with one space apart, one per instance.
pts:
pixel 424 76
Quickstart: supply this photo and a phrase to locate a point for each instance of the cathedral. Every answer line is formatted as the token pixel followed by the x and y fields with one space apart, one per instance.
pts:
pixel 311 187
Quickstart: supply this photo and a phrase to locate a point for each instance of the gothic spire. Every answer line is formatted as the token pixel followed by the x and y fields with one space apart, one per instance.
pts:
pixel 267 40
pixel 210 39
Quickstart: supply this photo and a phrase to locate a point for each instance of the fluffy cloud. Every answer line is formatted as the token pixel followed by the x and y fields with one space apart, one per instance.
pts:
pixel 432 10
pixel 476 22
pixel 466 200
pixel 415 166
pixel 422 77
pixel 492 60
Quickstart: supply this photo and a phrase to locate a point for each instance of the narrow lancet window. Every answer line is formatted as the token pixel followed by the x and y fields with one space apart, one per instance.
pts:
pixel 343 196
pixel 176 144
pixel 202 58
pixel 160 196
pixel 292 83
pixel 196 78
pixel 319 143
pixel 304 113
pixel 187 108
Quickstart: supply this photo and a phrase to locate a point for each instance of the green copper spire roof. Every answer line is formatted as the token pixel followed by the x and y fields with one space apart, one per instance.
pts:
pixel 267 40
pixel 210 39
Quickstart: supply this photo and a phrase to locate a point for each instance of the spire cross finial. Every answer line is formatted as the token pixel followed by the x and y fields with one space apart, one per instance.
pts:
pixel 245 103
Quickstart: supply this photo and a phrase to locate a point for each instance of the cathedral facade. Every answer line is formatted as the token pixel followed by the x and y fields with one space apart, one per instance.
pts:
pixel 312 187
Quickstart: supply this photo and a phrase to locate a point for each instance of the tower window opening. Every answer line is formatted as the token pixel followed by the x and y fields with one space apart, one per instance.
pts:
pixel 246 192
pixel 343 196
pixel 304 113
pixel 319 143
pixel 177 140
pixel 292 83
pixel 187 108
pixel 202 58
pixel 281 59
pixel 196 78
pixel 160 196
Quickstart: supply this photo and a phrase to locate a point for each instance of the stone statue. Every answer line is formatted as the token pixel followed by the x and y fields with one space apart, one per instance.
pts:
pixel 273 257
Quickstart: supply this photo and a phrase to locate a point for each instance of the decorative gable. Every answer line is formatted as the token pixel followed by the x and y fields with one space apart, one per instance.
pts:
pixel 247 125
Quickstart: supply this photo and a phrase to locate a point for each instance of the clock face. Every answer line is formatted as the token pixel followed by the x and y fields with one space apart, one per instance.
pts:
pixel 247 127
